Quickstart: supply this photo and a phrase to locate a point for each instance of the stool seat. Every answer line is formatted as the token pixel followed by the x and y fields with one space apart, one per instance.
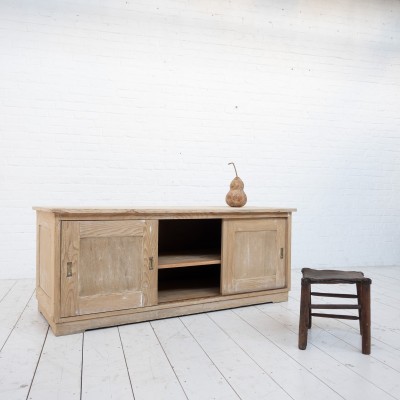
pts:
pixel 333 276
pixel 329 276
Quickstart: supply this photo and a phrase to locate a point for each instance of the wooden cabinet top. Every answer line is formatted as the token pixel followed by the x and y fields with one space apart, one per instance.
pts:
pixel 164 212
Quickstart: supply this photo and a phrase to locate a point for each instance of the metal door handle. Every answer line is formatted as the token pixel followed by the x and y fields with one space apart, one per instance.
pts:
pixel 69 269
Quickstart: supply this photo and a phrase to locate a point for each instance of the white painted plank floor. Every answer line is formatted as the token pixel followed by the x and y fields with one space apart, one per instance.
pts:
pixel 244 353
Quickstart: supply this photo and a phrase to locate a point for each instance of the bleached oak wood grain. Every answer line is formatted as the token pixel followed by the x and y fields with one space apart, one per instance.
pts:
pixel 185 260
pixel 160 211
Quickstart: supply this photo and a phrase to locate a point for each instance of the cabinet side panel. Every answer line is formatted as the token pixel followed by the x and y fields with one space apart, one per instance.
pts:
pixel 46 278
pixel 45 262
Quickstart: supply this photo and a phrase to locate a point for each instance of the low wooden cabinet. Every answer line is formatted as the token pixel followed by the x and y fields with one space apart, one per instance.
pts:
pixel 104 267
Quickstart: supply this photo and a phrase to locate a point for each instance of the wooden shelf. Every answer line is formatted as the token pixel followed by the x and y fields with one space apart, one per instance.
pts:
pixel 188 259
pixel 197 282
pixel 167 295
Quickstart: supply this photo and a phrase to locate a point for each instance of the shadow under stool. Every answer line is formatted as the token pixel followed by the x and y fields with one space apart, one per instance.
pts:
pixel 315 276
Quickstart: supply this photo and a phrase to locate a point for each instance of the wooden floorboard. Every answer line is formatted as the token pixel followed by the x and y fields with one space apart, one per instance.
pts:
pixel 104 371
pixel 291 376
pixel 199 376
pixel 20 355
pixel 245 353
pixel 5 286
pixel 348 332
pixel 58 375
pixel 12 306
pixel 149 368
pixel 245 375
pixel 348 354
pixel 334 374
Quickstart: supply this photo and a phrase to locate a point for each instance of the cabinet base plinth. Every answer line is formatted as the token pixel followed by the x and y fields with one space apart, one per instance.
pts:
pixel 132 316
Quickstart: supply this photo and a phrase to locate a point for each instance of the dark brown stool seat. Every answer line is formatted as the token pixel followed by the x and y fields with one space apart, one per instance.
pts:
pixel 315 276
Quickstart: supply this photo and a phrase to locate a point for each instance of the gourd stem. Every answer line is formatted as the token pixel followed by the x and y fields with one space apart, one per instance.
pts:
pixel 233 167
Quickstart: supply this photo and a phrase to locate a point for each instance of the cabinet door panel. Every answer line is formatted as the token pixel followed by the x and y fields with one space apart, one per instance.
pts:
pixel 253 255
pixel 106 258
pixel 105 266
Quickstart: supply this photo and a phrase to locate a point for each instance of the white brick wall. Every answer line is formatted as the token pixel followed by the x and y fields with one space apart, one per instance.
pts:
pixel 145 103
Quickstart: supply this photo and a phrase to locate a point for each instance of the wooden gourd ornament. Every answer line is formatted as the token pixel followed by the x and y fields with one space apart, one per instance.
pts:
pixel 236 196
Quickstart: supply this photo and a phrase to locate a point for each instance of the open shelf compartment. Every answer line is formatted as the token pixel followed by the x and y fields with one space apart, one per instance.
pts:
pixel 189 259
pixel 190 242
pixel 189 283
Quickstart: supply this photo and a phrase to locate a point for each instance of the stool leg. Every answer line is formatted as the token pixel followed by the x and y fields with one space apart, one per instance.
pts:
pixel 304 313
pixel 359 295
pixel 366 317
pixel 309 312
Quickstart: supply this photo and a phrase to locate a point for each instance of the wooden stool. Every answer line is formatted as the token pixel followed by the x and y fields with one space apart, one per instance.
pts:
pixel 363 284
